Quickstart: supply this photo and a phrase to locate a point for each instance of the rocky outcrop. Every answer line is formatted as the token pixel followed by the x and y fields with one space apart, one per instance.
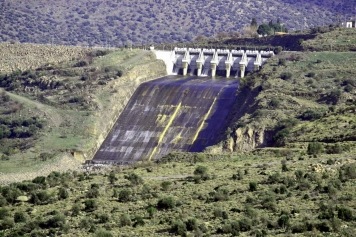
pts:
pixel 248 138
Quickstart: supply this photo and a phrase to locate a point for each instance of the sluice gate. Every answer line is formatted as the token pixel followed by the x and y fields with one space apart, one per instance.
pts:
pixel 212 62
pixel 173 113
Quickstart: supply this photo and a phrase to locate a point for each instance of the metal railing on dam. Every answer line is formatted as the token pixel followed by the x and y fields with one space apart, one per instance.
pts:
pixel 212 62
pixel 173 113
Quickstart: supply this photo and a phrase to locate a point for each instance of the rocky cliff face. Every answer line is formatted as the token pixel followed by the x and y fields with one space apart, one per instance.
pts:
pixel 248 138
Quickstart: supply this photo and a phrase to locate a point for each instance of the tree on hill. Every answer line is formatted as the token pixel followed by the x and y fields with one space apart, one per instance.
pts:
pixel 264 29
pixel 254 23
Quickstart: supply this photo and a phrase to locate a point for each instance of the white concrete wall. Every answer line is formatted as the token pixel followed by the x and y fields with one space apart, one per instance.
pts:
pixel 168 59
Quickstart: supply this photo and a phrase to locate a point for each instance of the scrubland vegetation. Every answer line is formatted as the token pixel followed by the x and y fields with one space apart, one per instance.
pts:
pixel 260 194
pixel 119 23
pixel 301 185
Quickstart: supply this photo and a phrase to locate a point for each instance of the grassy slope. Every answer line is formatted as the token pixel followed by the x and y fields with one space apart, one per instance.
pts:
pixel 69 126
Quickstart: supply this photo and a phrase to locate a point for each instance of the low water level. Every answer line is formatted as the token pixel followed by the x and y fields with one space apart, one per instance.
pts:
pixel 173 113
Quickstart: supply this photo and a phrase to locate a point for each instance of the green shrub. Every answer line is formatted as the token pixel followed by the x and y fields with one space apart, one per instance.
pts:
pixel 19 217
pixel 315 148
pixel 125 195
pixel 166 202
pixel 62 193
pixel 350 171
pixel 112 177
pixel 252 186
pixel 245 224
pixel 40 198
pixel 286 76
pixel 90 205
pixel 3 202
pixel 134 179
pixel 345 213
pixel 282 61
pixel 166 185
pixel 201 172
pixel 280 136
pixel 40 180
pixel 311 74
pixel 274 178
pixel 93 192
pixel 84 223
pixel 283 221
pixel 139 221
pixel 151 211
pixel 219 213
pixel 119 73
pixel 221 195
pixel 103 233
pixel 81 64
pixel 312 115
pixel 125 220
pixel 192 224
pixel 274 103
pixel 178 227
pixel 4 212
pixel 7 223
pixel 76 209
pixel 103 218
pixel 56 221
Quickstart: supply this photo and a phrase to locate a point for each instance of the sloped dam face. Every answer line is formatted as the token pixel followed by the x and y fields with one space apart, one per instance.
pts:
pixel 169 114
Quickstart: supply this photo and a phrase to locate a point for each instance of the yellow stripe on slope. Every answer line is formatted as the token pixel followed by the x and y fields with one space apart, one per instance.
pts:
pixel 203 121
pixel 174 115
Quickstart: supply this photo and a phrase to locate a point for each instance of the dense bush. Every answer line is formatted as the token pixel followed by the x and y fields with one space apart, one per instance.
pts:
pixel 19 217
pixel 112 177
pixel 221 195
pixel 125 195
pixel 81 64
pixel 315 148
pixel 125 220
pixel 345 213
pixel 313 114
pixel 166 202
pixel 286 75
pixel 40 198
pixel 166 185
pixel 134 179
pixel 19 128
pixel 56 221
pixel 90 205
pixel 62 193
pixel 179 227
pixel 252 186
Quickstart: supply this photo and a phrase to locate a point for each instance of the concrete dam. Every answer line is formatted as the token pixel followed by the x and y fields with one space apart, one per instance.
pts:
pixel 212 62
pixel 173 113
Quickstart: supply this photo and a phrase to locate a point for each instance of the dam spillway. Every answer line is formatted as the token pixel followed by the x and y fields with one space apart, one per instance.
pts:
pixel 173 113
pixel 212 62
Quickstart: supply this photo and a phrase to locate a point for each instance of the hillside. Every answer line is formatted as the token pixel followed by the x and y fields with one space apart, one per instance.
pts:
pixel 284 167
pixel 190 195
pixel 118 23
pixel 65 106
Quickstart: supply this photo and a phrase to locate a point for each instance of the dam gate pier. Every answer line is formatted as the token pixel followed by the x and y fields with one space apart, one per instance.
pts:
pixel 213 62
